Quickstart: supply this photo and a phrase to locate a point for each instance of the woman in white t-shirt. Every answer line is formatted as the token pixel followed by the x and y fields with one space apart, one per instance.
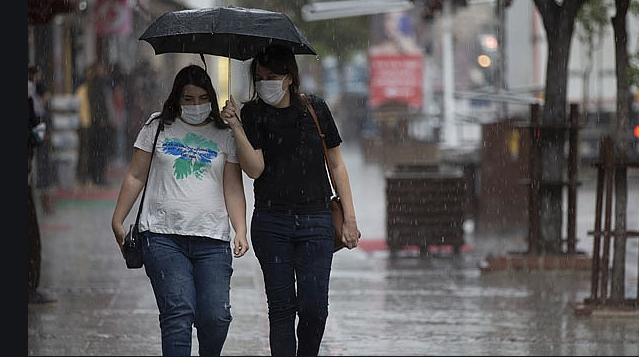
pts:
pixel 194 189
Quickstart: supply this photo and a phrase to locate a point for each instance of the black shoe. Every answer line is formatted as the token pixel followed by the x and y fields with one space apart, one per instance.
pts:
pixel 39 298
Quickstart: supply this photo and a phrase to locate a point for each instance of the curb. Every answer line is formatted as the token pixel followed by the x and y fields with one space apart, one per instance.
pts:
pixel 535 263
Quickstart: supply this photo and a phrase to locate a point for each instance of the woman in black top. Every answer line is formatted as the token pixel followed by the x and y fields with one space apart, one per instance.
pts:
pixel 291 229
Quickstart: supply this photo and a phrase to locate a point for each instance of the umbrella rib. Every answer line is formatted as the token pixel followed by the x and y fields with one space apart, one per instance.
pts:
pixel 203 60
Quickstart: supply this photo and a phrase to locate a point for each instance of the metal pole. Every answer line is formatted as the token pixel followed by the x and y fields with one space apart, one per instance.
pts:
pixel 573 173
pixel 535 178
pixel 450 134
pixel 596 250
pixel 609 165
pixel 501 63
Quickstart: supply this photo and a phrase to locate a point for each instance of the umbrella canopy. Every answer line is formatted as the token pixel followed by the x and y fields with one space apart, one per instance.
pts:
pixel 227 31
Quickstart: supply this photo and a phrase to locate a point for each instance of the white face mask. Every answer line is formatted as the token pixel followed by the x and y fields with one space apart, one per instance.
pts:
pixel 270 91
pixel 196 114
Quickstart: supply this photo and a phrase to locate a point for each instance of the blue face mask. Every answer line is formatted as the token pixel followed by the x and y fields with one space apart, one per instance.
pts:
pixel 196 114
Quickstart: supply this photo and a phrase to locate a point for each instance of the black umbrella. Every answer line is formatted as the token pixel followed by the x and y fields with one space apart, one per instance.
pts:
pixel 227 31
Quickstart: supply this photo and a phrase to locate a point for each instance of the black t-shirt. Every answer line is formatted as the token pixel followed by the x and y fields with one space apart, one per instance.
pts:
pixel 294 178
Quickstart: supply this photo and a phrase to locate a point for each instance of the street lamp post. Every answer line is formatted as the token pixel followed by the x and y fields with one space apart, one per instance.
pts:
pixel 450 137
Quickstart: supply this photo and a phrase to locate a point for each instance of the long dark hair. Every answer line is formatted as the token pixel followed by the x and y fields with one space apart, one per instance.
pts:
pixel 281 60
pixel 196 76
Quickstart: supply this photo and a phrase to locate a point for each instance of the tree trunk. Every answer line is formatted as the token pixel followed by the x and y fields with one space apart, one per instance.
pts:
pixel 585 96
pixel 552 158
pixel 617 288
pixel 559 23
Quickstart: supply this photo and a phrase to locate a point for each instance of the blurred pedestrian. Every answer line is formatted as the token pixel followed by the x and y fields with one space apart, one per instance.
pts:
pixel 84 113
pixel 292 227
pixel 100 102
pixel 119 117
pixel 194 188
pixel 45 173
pixel 141 98
pixel 35 137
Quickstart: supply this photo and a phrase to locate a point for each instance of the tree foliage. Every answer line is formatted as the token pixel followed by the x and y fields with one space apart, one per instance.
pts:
pixel 593 20
pixel 633 56
pixel 590 26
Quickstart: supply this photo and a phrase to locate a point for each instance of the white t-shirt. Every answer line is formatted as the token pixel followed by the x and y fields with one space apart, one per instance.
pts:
pixel 184 190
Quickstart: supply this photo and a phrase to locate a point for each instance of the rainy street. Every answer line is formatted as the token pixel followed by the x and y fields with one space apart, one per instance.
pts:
pixel 478 137
pixel 379 305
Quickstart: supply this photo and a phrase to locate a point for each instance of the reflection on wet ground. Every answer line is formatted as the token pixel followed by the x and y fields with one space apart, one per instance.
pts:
pixel 445 306
pixel 379 305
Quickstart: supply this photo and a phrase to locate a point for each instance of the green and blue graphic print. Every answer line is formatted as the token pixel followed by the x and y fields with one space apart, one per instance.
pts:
pixel 194 154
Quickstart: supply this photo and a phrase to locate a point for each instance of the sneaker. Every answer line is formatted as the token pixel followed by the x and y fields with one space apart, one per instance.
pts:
pixel 39 298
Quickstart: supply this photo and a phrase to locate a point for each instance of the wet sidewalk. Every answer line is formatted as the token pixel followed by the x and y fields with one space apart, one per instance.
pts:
pixel 379 304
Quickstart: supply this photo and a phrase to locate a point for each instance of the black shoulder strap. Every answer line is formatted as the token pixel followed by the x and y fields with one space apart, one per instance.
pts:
pixel 155 141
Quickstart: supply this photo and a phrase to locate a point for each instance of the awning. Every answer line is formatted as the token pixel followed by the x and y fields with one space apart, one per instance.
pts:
pixel 42 11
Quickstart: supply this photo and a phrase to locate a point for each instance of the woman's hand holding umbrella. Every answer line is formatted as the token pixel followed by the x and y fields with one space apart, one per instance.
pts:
pixel 229 113
pixel 252 158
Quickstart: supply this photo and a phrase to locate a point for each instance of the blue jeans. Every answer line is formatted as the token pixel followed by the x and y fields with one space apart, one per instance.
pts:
pixel 191 280
pixel 295 252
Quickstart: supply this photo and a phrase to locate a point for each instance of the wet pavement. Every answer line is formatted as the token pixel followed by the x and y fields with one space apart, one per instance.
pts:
pixel 379 304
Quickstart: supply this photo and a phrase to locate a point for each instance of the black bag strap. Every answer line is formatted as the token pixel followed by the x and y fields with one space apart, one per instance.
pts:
pixel 155 141
pixel 319 130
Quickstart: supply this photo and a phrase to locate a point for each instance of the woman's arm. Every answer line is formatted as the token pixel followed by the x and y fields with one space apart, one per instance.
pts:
pixel 251 160
pixel 350 232
pixel 129 191
pixel 236 206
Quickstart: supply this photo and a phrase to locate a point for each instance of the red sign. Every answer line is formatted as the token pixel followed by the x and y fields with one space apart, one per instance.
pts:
pixel 112 17
pixel 396 78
